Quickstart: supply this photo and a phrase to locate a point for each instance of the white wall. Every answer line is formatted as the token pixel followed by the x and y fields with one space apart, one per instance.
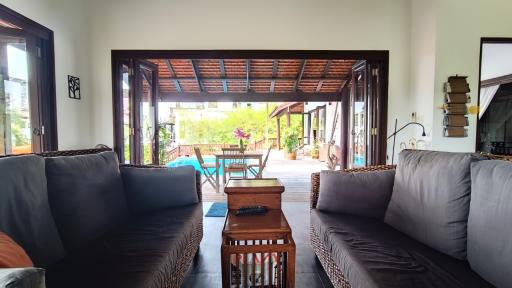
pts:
pixel 239 24
pixel 496 60
pixel 460 26
pixel 422 36
pixel 69 24
pixel 423 59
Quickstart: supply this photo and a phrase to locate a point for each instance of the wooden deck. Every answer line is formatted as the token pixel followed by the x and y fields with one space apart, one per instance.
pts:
pixel 294 174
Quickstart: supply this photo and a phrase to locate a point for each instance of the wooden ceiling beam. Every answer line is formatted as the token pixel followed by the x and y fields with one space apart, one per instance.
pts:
pixel 274 74
pixel 248 75
pixel 173 73
pixel 250 97
pixel 497 80
pixel 324 75
pixel 223 75
pixel 196 75
pixel 299 77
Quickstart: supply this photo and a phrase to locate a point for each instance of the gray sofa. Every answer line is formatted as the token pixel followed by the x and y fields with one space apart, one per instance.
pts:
pixel 439 220
pixel 90 223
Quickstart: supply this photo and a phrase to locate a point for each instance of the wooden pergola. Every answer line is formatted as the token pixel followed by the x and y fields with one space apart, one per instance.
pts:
pixel 252 80
pixel 286 109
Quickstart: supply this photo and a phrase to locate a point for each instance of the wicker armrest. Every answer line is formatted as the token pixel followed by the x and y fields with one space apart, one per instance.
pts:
pixel 496 157
pixel 315 180
pixel 199 187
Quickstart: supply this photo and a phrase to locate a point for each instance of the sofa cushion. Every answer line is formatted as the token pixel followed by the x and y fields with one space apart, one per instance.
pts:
pixel 22 278
pixel 142 253
pixel 490 221
pixel 430 200
pixel 364 194
pixel 86 196
pixel 372 254
pixel 151 189
pixel 24 210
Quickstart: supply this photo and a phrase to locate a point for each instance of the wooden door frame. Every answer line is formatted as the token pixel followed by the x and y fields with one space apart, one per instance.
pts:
pixel 485 40
pixel 360 66
pixel 134 94
pixel 374 86
pixel 117 101
pixel 44 65
pixel 373 56
pixel 138 89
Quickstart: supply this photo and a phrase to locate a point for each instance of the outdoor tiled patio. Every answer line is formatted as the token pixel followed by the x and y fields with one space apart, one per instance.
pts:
pixel 294 174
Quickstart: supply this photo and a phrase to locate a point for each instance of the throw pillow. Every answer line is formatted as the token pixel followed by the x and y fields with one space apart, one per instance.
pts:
pixel 362 194
pixel 151 189
pixel 12 255
pixel 430 200
pixel 490 222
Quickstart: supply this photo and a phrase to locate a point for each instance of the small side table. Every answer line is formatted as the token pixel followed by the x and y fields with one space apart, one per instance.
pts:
pixel 250 192
pixel 257 251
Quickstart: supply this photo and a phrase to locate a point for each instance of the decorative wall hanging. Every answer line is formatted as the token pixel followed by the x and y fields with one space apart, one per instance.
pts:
pixel 74 87
pixel 455 107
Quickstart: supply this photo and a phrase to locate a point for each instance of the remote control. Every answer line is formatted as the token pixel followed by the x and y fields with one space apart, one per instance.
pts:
pixel 251 210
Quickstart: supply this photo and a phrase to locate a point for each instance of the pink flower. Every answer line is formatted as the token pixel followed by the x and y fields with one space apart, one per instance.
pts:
pixel 240 134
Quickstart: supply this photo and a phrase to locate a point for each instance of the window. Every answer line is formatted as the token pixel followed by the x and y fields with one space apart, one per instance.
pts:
pixel 27 89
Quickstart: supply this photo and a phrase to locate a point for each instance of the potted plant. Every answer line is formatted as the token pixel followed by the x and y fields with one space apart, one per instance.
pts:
pixel 291 142
pixel 315 150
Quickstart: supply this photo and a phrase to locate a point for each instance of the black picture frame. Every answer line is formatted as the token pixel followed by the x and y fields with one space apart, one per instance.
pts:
pixel 74 87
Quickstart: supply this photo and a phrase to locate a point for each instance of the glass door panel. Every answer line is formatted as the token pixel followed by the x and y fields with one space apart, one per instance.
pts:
pixel 127 116
pixel 358 119
pixel 135 111
pixel 306 127
pixel 147 117
pixel 145 111
pixel 19 121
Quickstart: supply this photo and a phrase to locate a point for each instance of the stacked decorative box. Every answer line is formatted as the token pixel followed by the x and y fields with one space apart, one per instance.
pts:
pixel 455 108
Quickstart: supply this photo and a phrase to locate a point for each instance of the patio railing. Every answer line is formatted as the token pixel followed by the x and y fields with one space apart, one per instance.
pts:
pixel 209 149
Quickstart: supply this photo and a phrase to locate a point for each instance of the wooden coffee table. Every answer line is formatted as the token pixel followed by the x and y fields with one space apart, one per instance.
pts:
pixel 257 251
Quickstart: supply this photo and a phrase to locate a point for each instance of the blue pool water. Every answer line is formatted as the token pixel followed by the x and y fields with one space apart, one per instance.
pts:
pixel 359 160
pixel 192 161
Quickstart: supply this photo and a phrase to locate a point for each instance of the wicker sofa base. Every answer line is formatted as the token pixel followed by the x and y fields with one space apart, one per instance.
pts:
pixel 180 272
pixel 331 268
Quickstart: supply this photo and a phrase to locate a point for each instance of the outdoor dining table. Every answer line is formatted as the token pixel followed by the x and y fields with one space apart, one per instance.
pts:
pixel 246 155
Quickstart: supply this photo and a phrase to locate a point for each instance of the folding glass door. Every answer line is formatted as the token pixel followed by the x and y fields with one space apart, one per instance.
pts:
pixel 136 111
pixel 20 124
pixel 366 112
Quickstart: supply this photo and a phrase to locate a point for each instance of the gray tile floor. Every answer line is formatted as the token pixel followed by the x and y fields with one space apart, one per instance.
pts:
pixel 309 273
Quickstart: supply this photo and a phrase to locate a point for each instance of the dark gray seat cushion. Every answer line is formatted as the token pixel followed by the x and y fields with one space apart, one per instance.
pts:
pixel 22 278
pixel 364 194
pixel 490 221
pixel 151 189
pixel 86 196
pixel 142 253
pixel 430 200
pixel 24 210
pixel 372 254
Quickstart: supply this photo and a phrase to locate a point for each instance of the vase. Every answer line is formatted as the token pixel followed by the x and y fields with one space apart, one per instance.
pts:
pixel 242 146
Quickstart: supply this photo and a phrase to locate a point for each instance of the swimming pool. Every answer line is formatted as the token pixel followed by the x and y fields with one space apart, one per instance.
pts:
pixel 192 161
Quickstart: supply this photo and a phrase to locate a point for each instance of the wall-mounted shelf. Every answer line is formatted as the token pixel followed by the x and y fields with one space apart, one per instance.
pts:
pixel 455 108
